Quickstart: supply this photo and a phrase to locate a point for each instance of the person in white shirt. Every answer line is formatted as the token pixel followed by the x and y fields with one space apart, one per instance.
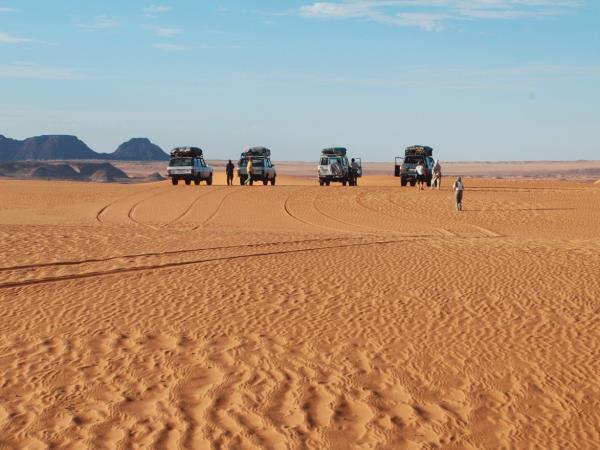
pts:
pixel 436 182
pixel 459 188
pixel 420 170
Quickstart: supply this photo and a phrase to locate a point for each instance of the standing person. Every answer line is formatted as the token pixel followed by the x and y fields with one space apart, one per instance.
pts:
pixel 420 171
pixel 459 188
pixel 437 175
pixel 229 171
pixel 353 172
pixel 249 171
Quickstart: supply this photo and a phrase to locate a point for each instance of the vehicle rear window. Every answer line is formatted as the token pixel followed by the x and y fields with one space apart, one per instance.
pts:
pixel 412 159
pixel 178 162
pixel 255 161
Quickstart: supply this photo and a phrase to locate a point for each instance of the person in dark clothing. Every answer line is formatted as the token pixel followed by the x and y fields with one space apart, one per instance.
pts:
pixel 459 188
pixel 353 171
pixel 229 171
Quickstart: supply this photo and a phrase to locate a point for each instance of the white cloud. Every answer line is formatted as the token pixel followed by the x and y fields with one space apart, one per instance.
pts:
pixel 155 10
pixel 26 70
pixel 171 47
pixel 102 22
pixel 8 38
pixel 163 31
pixel 433 14
pixel 9 10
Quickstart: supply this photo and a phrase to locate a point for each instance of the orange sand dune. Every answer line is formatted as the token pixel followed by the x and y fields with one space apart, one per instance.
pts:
pixel 299 316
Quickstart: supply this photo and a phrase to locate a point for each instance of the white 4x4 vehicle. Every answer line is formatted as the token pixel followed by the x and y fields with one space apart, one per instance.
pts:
pixel 187 164
pixel 262 167
pixel 335 167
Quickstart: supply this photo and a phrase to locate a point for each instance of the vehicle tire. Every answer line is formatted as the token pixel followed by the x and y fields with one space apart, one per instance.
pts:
pixel 265 181
pixel 251 181
pixel 428 182
pixel 321 182
pixel 344 183
pixel 273 181
pixel 196 181
pixel 209 180
pixel 328 183
pixel 403 181
pixel 242 180
pixel 413 182
pixel 175 181
pixel 188 181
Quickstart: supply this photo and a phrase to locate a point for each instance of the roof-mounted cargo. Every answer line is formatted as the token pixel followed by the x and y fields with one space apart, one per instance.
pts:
pixel 418 150
pixel 258 151
pixel 186 152
pixel 334 151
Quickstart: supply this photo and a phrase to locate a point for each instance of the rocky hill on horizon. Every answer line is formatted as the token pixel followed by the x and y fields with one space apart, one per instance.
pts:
pixel 67 147
pixel 139 149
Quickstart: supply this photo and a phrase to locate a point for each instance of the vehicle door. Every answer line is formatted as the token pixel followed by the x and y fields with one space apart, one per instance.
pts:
pixel 259 167
pixel 359 170
pixel 336 165
pixel 195 167
pixel 429 163
pixel 242 165
pixel 324 168
pixel 398 165
pixel 345 165
pixel 409 166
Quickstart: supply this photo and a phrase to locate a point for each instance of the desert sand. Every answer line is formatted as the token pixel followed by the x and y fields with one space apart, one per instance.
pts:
pixel 299 316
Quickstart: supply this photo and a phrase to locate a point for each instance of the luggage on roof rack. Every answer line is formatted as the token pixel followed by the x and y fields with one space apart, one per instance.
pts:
pixel 186 152
pixel 417 150
pixel 334 151
pixel 258 151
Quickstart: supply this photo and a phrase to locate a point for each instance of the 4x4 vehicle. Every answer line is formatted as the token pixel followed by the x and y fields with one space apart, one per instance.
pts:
pixel 263 168
pixel 405 168
pixel 335 167
pixel 187 164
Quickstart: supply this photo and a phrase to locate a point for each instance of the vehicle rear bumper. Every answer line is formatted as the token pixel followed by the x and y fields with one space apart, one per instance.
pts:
pixel 332 178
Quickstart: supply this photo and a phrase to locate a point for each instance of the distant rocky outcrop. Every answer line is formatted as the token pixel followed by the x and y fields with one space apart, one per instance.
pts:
pixel 155 177
pixel 139 149
pixel 55 172
pixel 68 148
pixel 55 147
pixel 99 172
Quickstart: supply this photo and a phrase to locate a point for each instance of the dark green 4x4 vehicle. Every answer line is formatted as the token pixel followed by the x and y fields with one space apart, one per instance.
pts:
pixel 405 168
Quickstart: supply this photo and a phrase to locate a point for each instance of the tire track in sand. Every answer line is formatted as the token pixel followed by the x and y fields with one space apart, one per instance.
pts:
pixel 286 209
pixel 365 229
pixel 169 252
pixel 189 208
pixel 363 204
pixel 448 233
pixel 330 218
pixel 105 208
pixel 94 274
pixel 135 206
pixel 217 210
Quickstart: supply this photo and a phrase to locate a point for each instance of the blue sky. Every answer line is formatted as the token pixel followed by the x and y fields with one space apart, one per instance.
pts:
pixel 475 79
